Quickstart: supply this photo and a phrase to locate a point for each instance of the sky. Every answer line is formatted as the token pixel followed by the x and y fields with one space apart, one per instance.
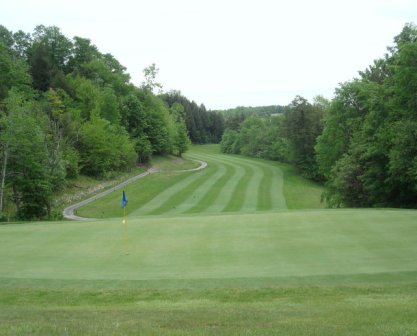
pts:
pixel 228 53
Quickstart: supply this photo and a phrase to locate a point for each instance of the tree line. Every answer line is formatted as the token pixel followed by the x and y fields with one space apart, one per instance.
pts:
pixel 68 109
pixel 203 126
pixel 234 116
pixel 362 144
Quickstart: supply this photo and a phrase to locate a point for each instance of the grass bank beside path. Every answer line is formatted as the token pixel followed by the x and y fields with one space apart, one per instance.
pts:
pixel 84 187
pixel 109 206
pixel 172 163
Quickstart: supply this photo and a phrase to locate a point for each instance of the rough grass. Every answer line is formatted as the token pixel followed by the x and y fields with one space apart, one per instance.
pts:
pixel 386 308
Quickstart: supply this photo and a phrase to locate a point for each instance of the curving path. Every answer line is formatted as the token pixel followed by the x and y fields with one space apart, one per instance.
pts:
pixel 68 212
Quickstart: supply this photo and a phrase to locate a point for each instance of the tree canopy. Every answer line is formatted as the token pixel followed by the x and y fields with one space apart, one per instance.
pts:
pixel 68 109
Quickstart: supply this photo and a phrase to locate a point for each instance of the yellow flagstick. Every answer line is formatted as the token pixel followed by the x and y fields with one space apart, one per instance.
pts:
pixel 126 238
pixel 125 230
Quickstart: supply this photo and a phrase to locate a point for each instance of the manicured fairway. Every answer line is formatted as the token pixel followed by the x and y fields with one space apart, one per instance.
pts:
pixel 228 184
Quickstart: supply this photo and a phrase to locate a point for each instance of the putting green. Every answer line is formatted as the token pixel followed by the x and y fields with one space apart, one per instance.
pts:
pixel 272 245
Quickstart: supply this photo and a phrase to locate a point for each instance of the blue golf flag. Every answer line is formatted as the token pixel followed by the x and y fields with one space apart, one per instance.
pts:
pixel 124 200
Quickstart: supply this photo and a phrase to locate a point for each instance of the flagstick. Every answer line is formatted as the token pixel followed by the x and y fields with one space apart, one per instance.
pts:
pixel 126 236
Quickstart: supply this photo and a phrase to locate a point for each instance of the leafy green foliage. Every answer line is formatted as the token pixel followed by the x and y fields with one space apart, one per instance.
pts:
pixel 229 143
pixel 367 150
pixel 286 137
pixel 26 168
pixel 258 137
pixel 14 72
pixel 150 74
pixel 104 148
pixel 89 118
pixel 302 124
pixel 181 140
pixel 246 111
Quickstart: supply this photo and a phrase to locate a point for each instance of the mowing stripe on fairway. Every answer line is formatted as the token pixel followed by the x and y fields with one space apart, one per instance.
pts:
pixel 139 193
pixel 240 192
pixel 272 187
pixel 251 193
pixel 155 202
pixel 265 191
pixel 226 194
pixel 212 200
pixel 170 205
pixel 189 196
pixel 272 192
pixel 195 193
pixel 243 194
pixel 276 189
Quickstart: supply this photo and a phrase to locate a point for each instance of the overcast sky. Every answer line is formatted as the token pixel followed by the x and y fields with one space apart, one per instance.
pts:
pixel 226 53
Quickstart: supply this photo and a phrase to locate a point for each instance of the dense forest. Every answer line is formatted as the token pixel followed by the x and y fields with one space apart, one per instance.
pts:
pixel 362 144
pixel 68 109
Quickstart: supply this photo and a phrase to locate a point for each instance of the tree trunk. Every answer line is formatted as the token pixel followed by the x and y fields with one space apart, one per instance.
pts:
pixel 3 177
pixel 16 199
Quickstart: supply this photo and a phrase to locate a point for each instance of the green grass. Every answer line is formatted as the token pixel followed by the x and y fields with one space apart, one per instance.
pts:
pixel 271 244
pixel 229 184
pixel 222 251
pixel 172 163
pixel 294 272
pixel 186 194
pixel 299 192
pixel 84 183
pixel 208 198
pixel 346 310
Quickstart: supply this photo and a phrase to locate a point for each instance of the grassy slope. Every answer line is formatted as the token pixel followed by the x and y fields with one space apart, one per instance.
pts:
pixel 83 187
pixel 308 272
